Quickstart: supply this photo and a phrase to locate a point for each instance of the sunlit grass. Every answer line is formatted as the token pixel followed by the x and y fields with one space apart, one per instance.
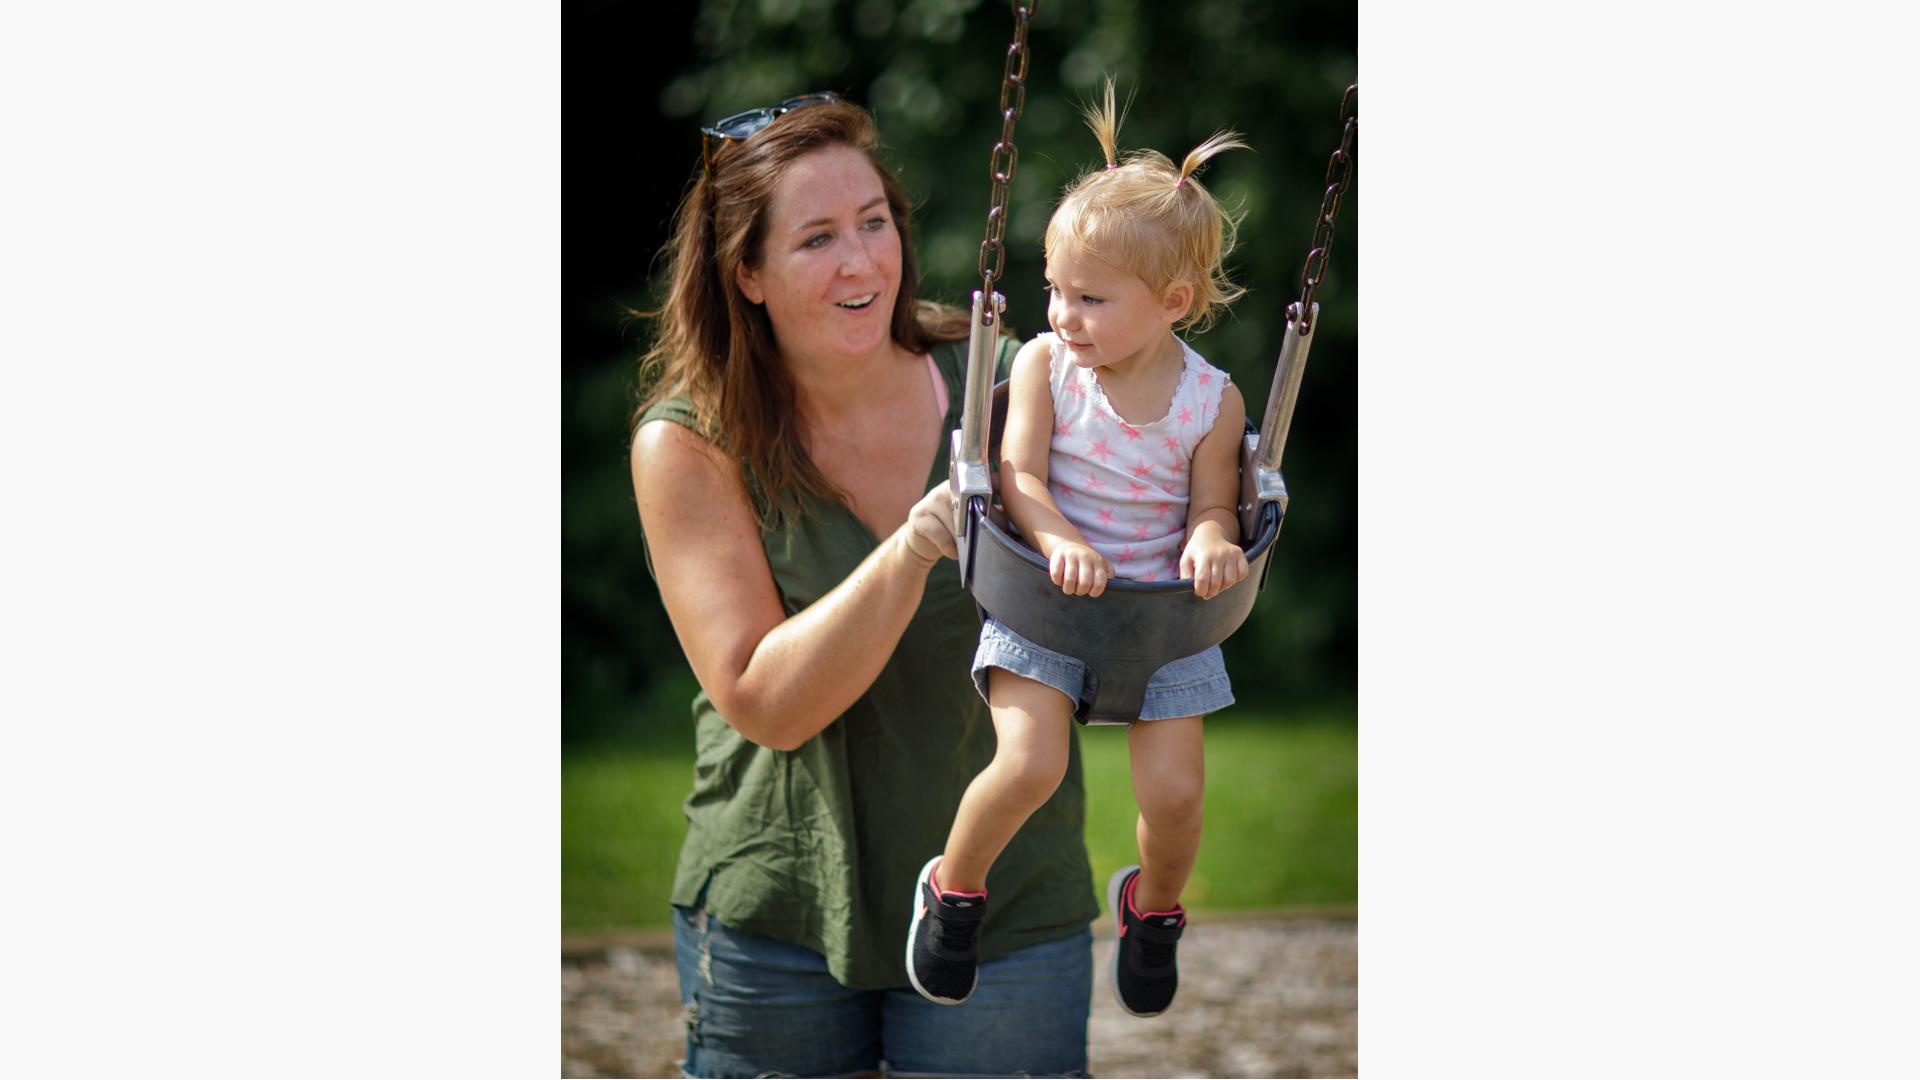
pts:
pixel 1281 805
pixel 1281 827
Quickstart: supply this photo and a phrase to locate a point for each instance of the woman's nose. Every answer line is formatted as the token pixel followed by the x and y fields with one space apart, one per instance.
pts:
pixel 857 261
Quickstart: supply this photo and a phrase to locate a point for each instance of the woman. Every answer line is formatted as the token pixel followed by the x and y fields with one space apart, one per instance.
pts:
pixel 789 467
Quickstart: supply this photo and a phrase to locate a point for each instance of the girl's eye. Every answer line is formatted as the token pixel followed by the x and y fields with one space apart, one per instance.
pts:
pixel 1093 299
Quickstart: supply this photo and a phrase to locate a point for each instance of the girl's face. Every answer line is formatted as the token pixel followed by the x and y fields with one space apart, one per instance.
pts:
pixel 1105 315
pixel 830 264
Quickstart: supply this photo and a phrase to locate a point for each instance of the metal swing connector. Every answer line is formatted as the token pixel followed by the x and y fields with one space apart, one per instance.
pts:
pixel 1260 481
pixel 969 477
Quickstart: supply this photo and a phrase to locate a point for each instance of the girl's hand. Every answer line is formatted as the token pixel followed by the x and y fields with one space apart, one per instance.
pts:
pixel 1213 563
pixel 1079 570
pixel 929 530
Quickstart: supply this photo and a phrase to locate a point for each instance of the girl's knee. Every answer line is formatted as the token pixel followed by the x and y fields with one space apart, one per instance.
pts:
pixel 1030 777
pixel 1172 801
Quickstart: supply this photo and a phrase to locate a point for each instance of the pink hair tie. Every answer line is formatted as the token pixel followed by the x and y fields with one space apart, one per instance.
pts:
pixel 1112 165
pixel 1180 183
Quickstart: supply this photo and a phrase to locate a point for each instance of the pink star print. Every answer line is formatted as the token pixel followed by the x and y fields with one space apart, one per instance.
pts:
pixel 1205 379
pixel 1076 389
pixel 1101 449
pixel 1132 432
pixel 1140 531
pixel 1151 577
pixel 1135 489
pixel 1160 513
pixel 1094 483
pixel 1106 517
pixel 1064 427
pixel 1142 469
pixel 1126 553
pixel 1179 467
pixel 1186 415
pixel 1172 443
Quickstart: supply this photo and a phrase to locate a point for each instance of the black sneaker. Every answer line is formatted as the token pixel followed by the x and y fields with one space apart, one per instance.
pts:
pixel 943 953
pixel 1144 973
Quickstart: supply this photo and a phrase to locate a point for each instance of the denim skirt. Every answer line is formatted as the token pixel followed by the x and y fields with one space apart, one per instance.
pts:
pixel 1190 686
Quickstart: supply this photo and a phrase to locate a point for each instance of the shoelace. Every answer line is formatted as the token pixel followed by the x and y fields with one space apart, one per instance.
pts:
pixel 1154 954
pixel 956 935
pixel 1155 944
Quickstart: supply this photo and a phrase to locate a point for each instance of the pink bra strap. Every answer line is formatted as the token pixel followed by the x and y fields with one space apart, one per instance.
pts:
pixel 939 385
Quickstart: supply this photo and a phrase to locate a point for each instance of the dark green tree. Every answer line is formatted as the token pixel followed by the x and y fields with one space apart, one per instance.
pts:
pixel 640 82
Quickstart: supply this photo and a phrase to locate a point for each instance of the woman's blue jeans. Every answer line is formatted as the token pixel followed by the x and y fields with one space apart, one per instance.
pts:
pixel 760 1007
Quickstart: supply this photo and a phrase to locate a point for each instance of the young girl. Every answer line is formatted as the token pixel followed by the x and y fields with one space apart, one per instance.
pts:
pixel 1120 459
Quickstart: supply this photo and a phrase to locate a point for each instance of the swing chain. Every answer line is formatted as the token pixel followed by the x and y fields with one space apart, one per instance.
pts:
pixel 1339 176
pixel 1013 98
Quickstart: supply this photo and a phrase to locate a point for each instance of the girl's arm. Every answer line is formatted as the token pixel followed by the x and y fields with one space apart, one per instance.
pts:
pixel 778 680
pixel 1073 563
pixel 1212 557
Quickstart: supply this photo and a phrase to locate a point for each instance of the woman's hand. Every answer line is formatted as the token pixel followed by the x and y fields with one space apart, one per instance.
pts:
pixel 1079 570
pixel 1212 561
pixel 929 532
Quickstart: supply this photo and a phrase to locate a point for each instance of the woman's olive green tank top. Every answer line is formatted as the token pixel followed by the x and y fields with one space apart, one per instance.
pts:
pixel 820 846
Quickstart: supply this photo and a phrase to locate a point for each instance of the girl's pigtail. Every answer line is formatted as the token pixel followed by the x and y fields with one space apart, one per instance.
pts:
pixel 1221 140
pixel 1105 122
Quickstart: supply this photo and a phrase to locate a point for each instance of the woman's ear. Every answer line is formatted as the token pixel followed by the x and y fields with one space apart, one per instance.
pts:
pixel 1177 301
pixel 749 283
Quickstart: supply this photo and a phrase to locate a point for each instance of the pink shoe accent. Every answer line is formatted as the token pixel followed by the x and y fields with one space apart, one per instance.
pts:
pixel 933 878
pixel 1127 895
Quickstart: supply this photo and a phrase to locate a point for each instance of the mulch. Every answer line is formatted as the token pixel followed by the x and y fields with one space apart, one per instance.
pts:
pixel 1260 996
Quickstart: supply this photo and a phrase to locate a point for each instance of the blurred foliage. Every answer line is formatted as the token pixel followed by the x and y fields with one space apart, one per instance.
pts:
pixel 641 81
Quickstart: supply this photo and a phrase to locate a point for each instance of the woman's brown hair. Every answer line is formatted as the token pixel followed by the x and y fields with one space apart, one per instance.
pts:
pixel 717 349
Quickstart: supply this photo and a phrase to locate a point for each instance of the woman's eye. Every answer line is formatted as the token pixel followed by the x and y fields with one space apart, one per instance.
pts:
pixel 876 223
pixel 816 240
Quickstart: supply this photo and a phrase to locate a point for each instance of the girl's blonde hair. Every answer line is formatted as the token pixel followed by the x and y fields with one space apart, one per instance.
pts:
pixel 1151 218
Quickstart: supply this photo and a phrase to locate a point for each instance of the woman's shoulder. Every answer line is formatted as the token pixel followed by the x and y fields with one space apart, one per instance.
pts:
pixel 671 448
pixel 677 409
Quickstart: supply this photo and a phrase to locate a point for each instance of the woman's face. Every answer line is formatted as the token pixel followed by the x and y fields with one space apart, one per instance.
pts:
pixel 830 263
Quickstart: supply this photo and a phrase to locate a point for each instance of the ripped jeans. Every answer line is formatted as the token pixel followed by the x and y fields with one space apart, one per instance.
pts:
pixel 760 1007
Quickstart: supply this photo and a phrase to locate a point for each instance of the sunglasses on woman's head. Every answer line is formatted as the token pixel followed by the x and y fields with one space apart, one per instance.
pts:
pixel 741 125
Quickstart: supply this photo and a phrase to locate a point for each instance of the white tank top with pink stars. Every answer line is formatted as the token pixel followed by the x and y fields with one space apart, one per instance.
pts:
pixel 1124 486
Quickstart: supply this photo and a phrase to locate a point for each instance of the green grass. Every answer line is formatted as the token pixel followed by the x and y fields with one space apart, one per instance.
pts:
pixel 620 832
pixel 1281 812
pixel 1281 819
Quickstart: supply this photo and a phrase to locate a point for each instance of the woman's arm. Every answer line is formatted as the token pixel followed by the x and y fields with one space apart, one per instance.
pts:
pixel 778 680
pixel 1073 563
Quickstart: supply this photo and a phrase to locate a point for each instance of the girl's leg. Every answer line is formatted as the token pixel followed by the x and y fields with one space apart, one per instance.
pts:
pixel 1169 780
pixel 1031 721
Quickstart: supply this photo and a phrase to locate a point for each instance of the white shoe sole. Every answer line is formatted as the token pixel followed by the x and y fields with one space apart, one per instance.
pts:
pixel 1113 966
pixel 913 935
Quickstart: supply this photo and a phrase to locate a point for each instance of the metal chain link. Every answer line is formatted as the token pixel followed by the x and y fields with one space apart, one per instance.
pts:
pixel 1013 98
pixel 1339 176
